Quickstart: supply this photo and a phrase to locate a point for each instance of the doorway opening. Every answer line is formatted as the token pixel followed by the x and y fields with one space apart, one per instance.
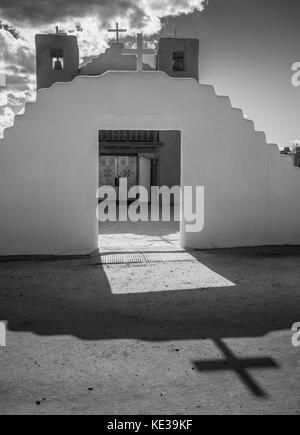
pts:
pixel 145 159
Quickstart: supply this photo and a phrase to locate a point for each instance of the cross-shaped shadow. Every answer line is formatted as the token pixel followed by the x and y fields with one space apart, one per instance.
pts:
pixel 239 366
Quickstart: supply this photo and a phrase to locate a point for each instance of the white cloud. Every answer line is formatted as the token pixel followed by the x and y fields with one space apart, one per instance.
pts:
pixel 17 55
pixel 17 64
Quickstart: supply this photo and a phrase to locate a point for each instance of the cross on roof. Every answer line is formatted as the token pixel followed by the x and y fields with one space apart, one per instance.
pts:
pixel 239 366
pixel 117 31
pixel 140 51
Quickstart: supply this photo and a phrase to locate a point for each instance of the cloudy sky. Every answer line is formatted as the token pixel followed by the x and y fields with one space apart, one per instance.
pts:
pixel 247 48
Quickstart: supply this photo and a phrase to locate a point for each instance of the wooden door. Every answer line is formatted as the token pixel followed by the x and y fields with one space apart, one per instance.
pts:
pixel 112 168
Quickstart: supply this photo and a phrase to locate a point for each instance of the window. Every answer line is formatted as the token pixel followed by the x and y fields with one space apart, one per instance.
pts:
pixel 128 136
pixel 178 61
pixel 57 57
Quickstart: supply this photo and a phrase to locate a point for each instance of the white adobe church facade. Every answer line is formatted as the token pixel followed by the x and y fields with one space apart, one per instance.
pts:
pixel 146 118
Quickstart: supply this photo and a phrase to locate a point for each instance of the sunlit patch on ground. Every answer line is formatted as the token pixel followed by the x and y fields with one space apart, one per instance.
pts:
pixel 164 276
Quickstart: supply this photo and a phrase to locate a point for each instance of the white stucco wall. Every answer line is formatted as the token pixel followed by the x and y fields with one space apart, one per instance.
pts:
pixel 49 164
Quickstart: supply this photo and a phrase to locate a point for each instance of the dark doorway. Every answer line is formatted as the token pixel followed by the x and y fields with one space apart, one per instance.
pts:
pixel 146 158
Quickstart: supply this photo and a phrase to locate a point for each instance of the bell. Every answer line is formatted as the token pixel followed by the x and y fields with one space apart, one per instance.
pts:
pixel 178 64
pixel 58 65
pixel 178 61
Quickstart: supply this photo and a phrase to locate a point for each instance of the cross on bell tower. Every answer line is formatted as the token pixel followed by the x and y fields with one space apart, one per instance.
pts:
pixel 117 31
pixel 58 31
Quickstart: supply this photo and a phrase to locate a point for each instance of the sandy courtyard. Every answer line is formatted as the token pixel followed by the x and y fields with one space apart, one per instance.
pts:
pixel 211 334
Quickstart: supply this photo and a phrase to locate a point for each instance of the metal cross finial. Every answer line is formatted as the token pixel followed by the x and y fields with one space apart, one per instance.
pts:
pixel 140 51
pixel 117 31
pixel 59 31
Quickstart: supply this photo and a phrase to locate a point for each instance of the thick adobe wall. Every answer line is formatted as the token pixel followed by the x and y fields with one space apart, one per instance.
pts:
pixel 49 164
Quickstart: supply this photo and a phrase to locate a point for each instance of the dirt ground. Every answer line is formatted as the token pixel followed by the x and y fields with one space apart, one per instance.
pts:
pixel 207 336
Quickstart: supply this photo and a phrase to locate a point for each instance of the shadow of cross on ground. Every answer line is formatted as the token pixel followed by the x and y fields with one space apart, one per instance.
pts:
pixel 147 309
pixel 239 366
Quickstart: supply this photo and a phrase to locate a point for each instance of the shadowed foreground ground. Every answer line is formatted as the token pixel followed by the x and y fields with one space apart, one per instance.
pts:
pixel 148 338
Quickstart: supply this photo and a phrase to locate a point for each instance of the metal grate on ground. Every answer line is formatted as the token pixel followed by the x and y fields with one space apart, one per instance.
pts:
pixel 140 258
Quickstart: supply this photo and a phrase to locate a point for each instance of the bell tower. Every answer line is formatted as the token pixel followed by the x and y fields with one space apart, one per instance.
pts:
pixel 57 58
pixel 179 57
